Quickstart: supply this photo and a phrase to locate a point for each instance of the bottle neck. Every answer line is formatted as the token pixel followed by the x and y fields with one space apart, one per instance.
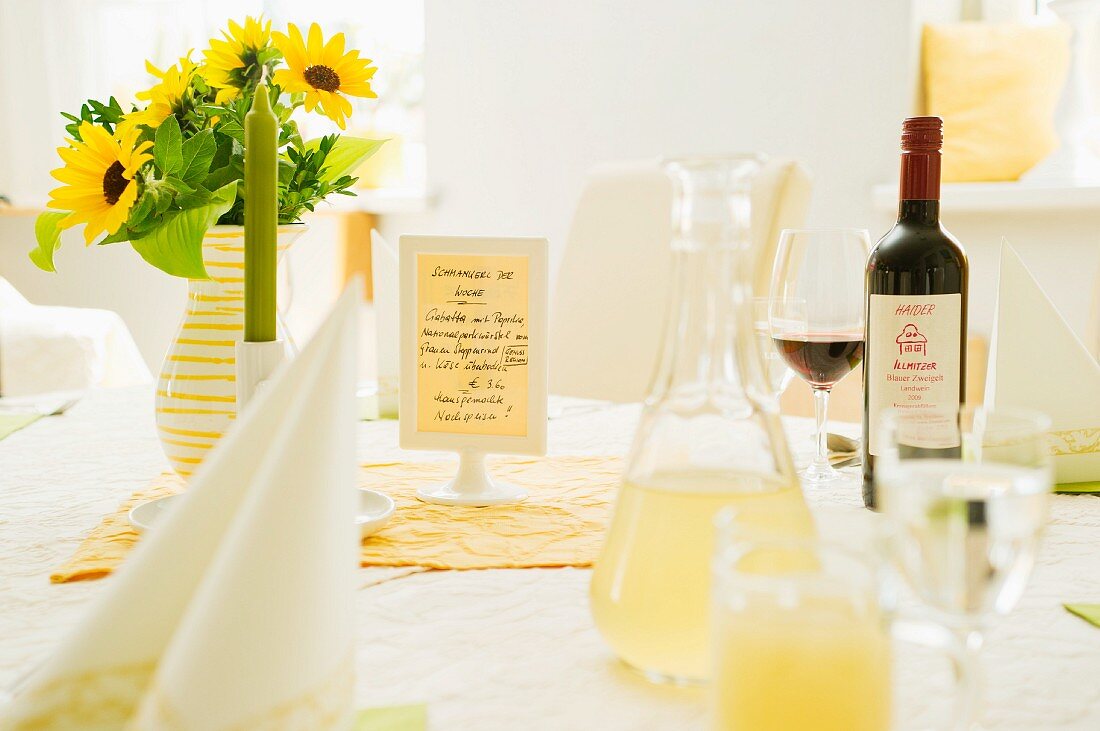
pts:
pixel 919 212
pixel 919 188
pixel 700 343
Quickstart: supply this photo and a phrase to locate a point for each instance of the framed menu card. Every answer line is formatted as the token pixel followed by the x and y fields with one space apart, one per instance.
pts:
pixel 473 344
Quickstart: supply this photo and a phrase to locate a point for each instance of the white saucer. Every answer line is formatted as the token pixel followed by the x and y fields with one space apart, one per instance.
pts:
pixel 375 510
pixel 143 515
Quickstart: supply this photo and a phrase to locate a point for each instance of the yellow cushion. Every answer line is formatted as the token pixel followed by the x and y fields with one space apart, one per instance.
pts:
pixel 996 87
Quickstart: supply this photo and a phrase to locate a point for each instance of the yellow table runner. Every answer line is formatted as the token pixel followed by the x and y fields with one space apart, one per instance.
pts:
pixel 560 524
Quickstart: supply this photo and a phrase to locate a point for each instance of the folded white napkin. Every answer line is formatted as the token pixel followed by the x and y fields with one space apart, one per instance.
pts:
pixel 1037 362
pixel 235 612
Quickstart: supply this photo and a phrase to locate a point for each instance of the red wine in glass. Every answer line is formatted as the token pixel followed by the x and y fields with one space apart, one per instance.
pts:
pixel 821 359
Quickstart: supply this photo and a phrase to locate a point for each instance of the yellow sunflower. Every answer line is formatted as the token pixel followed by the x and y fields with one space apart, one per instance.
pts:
pixel 99 187
pixel 232 63
pixel 166 97
pixel 323 71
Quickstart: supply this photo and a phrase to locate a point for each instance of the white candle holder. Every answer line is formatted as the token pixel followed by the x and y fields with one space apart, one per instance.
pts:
pixel 255 364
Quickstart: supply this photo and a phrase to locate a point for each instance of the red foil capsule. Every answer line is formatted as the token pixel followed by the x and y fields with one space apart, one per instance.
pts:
pixel 921 145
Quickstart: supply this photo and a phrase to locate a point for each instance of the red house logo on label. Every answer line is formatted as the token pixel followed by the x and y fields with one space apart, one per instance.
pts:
pixel 911 341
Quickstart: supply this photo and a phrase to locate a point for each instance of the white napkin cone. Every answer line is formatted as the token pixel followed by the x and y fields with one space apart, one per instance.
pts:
pixel 236 610
pixel 1036 362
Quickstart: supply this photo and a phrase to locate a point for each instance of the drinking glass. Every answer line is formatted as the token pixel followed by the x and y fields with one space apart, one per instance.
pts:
pixel 801 637
pixel 776 372
pixel 963 531
pixel 816 315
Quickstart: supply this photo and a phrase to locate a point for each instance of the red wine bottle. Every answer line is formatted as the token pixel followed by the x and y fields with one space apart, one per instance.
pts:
pixel 915 351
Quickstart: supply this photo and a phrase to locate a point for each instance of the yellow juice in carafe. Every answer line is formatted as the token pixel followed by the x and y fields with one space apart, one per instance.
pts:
pixel 651 585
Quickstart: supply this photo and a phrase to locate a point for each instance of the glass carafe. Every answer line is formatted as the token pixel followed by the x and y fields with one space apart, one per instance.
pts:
pixel 709 437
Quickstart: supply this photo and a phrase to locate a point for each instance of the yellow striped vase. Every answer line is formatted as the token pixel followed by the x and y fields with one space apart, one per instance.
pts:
pixel 196 393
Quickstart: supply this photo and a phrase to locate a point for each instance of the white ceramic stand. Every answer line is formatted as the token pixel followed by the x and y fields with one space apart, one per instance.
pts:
pixel 1074 162
pixel 255 364
pixel 472 486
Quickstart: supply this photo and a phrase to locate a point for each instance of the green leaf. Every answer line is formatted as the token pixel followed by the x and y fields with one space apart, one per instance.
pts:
pixel 123 234
pixel 140 211
pixel 164 199
pixel 223 176
pixel 177 186
pixel 1088 612
pixel 232 128
pixel 168 146
pixel 393 718
pixel 47 232
pixel 198 197
pixel 198 153
pixel 175 246
pixel 346 155
pixel 224 151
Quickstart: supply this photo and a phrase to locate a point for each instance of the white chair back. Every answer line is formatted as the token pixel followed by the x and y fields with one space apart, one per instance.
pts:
pixel 612 289
pixel 45 349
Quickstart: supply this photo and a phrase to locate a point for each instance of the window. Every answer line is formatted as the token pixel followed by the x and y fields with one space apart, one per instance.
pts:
pixel 97 48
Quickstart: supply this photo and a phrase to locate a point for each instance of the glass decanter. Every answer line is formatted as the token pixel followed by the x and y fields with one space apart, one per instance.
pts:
pixel 709 438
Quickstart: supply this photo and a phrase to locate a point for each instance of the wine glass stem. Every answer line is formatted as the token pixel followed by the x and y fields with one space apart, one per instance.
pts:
pixel 969 681
pixel 821 413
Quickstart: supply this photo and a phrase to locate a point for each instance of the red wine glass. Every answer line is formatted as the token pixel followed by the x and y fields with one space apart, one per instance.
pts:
pixel 816 316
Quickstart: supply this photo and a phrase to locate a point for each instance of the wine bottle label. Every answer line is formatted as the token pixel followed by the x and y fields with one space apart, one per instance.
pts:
pixel 913 361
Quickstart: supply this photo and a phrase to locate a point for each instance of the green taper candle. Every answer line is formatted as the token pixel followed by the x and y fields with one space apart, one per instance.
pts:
pixel 261 218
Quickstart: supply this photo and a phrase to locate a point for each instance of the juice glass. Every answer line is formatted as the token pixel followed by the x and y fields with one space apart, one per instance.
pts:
pixel 801 633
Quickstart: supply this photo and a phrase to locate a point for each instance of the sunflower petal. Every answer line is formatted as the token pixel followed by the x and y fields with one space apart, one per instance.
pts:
pixel 333 51
pixel 315 46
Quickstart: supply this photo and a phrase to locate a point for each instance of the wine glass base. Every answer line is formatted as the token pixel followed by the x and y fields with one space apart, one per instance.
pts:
pixel 814 475
pixel 658 678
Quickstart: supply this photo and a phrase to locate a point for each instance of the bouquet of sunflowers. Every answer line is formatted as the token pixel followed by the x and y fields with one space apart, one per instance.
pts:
pixel 160 175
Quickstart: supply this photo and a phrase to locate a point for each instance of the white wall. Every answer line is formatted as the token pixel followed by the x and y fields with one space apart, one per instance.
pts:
pixel 523 96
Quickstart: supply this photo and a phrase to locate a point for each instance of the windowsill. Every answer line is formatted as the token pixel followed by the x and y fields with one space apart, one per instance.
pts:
pixel 1009 196
pixel 380 201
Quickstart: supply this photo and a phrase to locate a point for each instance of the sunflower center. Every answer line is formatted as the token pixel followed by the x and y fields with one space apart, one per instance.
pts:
pixel 322 77
pixel 114 183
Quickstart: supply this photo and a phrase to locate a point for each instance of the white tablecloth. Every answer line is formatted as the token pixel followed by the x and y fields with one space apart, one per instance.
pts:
pixel 509 649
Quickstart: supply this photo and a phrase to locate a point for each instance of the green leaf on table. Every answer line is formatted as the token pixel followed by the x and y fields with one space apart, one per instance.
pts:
pixel 175 245
pixel 346 155
pixel 197 153
pixel 1078 488
pixel 11 423
pixel 393 718
pixel 1088 612
pixel 47 233
pixel 168 146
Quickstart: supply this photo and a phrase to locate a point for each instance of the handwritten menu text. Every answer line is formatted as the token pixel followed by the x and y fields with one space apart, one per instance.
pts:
pixel 472 339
